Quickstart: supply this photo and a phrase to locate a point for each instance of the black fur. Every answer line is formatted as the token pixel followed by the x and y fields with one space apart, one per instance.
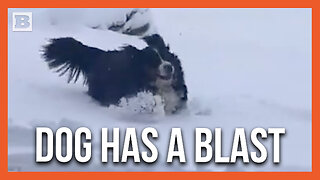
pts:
pixel 115 74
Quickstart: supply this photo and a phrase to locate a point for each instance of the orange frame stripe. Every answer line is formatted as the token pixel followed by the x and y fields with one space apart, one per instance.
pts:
pixel 315 174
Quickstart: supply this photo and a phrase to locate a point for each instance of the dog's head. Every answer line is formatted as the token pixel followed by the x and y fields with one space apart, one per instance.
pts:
pixel 167 73
pixel 155 67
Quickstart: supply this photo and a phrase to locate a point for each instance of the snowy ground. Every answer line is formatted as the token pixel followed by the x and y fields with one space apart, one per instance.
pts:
pixel 243 67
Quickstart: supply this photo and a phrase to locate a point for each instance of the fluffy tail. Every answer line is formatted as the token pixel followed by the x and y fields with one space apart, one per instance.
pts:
pixel 69 55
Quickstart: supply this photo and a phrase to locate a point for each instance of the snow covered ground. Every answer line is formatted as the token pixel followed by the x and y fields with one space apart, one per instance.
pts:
pixel 243 67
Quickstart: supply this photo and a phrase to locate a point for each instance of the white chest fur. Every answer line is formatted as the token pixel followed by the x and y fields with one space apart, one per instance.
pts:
pixel 168 94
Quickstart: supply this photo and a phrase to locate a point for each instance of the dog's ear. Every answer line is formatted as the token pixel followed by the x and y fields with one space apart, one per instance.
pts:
pixel 155 41
pixel 149 57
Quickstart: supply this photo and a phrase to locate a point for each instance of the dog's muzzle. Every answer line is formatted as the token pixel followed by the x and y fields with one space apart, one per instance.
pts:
pixel 166 70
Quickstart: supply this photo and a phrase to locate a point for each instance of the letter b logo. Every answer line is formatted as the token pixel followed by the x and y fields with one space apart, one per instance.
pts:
pixel 22 21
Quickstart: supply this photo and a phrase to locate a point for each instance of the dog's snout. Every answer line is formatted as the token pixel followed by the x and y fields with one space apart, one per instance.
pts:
pixel 168 68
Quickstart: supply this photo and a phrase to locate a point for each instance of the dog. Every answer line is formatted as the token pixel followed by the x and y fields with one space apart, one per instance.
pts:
pixel 112 75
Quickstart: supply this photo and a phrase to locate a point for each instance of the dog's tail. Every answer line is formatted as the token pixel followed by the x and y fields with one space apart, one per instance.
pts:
pixel 69 55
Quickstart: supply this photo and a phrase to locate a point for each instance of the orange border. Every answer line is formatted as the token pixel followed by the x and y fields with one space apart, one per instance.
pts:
pixel 315 174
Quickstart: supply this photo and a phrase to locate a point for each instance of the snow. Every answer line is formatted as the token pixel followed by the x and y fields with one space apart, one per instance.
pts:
pixel 243 68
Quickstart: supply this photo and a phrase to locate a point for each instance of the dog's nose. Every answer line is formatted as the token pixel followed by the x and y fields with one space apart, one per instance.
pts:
pixel 168 68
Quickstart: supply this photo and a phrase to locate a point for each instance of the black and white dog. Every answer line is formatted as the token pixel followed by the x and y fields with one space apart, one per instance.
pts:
pixel 111 75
